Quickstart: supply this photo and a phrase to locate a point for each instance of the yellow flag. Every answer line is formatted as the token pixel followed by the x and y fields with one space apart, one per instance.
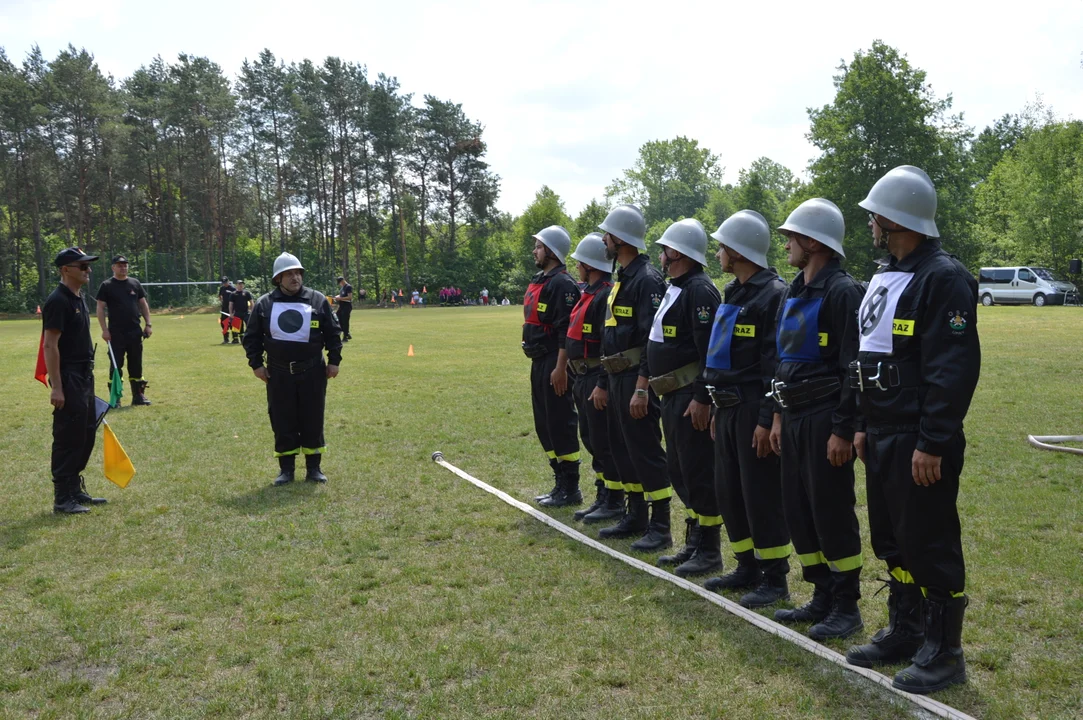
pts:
pixel 118 468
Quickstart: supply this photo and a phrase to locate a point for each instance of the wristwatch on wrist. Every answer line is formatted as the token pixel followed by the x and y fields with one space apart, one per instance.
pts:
pixel 641 392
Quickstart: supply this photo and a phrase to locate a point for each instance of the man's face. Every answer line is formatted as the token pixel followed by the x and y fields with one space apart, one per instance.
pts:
pixel 240 286
pixel 79 273
pixel 611 246
pixel 795 254
pixel 120 270
pixel 290 281
pixel 539 254
pixel 584 271
pixel 724 259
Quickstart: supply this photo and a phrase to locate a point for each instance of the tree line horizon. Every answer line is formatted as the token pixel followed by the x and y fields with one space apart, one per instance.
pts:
pixel 203 175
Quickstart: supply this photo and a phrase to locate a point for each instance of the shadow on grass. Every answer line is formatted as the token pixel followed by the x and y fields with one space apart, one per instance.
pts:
pixel 268 497
pixel 15 535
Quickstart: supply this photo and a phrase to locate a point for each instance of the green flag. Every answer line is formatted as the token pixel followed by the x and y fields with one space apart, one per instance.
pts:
pixel 116 382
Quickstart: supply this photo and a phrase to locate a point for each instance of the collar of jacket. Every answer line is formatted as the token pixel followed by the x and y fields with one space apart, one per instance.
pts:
pixel 761 278
pixel 911 261
pixel 593 289
pixel 633 267
pixel 833 266
pixel 688 277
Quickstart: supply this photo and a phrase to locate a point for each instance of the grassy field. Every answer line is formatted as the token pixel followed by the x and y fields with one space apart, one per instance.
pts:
pixel 399 591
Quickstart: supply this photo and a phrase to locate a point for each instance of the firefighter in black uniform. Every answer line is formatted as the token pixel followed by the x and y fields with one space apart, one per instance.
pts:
pixel 916 372
pixel 239 306
pixel 69 360
pixel 676 357
pixel 225 295
pixel 633 409
pixel 591 383
pixel 547 309
pixel 293 324
pixel 344 300
pixel 126 301
pixel 740 367
pixel 817 340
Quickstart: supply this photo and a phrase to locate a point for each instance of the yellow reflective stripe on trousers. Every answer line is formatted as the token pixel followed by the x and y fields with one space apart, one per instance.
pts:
pixel 710 520
pixel 612 484
pixel 902 576
pixel 774 553
pixel 741 545
pixel 925 593
pixel 663 494
pixel 573 457
pixel 846 564
pixel 632 487
pixel 690 513
pixel 550 454
pixel 288 452
pixel 810 559
pixel 313 451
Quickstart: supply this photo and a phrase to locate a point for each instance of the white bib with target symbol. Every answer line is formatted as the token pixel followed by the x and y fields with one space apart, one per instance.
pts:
pixel 290 322
pixel 877 312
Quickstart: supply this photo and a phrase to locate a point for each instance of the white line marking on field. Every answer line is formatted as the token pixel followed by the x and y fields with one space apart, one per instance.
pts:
pixel 933 706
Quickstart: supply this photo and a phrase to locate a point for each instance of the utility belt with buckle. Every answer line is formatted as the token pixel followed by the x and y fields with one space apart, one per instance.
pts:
pixel 296 367
pixel 732 395
pixel 535 351
pixel 679 378
pixel 804 393
pixel 622 361
pixel 580 366
pixel 883 375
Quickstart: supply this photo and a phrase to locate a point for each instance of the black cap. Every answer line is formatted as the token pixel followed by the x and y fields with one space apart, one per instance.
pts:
pixel 119 259
pixel 240 282
pixel 71 255
pixel 339 279
pixel 225 279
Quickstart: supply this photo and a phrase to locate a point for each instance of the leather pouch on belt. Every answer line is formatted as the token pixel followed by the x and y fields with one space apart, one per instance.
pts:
pixel 679 378
pixel 622 361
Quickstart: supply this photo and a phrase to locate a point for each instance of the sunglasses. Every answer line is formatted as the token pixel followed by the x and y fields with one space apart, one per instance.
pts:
pixel 84 267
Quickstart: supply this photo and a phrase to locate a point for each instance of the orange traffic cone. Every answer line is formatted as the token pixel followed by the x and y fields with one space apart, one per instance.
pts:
pixel 39 310
pixel 410 352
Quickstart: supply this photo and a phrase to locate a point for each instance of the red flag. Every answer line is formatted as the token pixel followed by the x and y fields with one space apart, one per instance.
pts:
pixel 41 373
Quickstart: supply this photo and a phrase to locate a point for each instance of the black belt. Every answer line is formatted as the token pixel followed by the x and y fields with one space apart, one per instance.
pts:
pixel 883 375
pixel 296 367
pixel 732 395
pixel 581 365
pixel 892 429
pixel 804 393
pixel 536 351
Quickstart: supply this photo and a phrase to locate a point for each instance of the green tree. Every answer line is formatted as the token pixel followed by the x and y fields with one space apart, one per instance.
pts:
pixel 588 219
pixel 885 114
pixel 670 178
pixel 992 142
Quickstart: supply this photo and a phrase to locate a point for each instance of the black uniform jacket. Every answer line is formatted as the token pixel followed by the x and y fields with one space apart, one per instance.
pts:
pixel 817 337
pixel 743 349
pixel 225 294
pixel 632 302
pixel 346 293
pixel 686 329
pixel 921 314
pixel 547 308
pixel 588 322
pixel 67 312
pixel 242 300
pixel 292 333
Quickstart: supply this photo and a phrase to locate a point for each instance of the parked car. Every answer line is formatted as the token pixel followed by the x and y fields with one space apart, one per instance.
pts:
pixel 1023 286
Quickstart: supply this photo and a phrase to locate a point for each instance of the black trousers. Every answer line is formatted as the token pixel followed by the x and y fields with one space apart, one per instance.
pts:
pixel 244 326
pixel 130 345
pixel 73 425
pixel 555 420
pixel 594 431
pixel 689 458
pixel 296 404
pixel 637 444
pixel 818 498
pixel 344 310
pixel 915 529
pixel 749 488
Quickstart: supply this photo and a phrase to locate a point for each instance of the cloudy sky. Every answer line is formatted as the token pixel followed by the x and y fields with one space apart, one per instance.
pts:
pixel 568 91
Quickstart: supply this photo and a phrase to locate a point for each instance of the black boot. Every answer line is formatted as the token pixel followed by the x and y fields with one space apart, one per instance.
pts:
pixel 139 388
pixel 815 609
pixel 691 542
pixel 568 487
pixel 236 339
pixel 81 496
pixel 286 464
pixel 613 508
pixel 63 502
pixel 707 557
pixel 845 617
pixel 745 576
pixel 225 338
pixel 599 501
pixel 773 587
pixel 939 662
pixel 905 631
pixel 312 469
pixel 556 481
pixel 632 524
pixel 657 535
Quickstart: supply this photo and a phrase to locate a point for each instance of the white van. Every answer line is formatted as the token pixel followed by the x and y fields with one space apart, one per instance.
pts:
pixel 1024 286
